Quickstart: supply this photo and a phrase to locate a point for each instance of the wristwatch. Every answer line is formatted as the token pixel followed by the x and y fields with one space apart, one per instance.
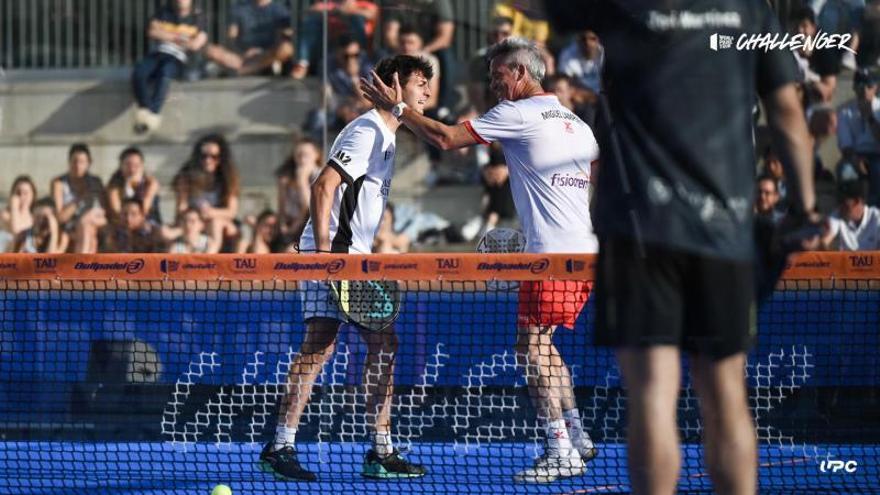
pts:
pixel 397 110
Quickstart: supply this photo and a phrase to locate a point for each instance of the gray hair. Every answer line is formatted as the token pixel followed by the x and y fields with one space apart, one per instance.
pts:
pixel 515 50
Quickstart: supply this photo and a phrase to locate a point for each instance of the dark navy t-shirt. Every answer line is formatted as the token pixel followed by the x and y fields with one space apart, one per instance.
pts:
pixel 258 27
pixel 683 117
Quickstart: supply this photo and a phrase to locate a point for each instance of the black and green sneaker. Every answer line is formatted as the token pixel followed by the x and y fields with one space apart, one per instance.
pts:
pixel 283 464
pixel 393 466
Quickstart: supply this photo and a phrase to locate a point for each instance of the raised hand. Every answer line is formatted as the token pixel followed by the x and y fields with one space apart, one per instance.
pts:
pixel 380 94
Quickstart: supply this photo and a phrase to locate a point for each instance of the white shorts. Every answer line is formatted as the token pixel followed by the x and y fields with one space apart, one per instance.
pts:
pixel 317 301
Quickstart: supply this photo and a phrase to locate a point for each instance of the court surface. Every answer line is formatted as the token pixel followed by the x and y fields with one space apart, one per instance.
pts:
pixel 33 468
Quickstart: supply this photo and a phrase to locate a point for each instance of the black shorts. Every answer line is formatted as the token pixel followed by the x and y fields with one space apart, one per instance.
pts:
pixel 703 305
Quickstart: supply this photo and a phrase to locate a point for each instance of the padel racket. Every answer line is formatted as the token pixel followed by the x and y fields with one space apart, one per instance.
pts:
pixel 500 241
pixel 370 304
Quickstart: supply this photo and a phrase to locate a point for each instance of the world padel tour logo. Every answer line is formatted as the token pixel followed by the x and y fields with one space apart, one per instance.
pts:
pixel 169 266
pixel 777 41
pixel 535 267
pixel 130 267
pixel 572 265
pixel 331 267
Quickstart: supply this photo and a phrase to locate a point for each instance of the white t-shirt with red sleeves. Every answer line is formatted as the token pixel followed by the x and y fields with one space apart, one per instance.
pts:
pixel 549 151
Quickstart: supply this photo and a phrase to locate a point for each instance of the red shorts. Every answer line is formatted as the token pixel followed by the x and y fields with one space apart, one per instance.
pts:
pixel 552 302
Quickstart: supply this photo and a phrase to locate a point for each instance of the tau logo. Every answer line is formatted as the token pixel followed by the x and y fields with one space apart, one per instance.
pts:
pixel 244 264
pixel 448 263
pixel 44 264
pixel 863 261
pixel 835 466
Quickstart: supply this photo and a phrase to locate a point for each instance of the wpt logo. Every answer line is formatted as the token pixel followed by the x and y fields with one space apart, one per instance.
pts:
pixel 836 466
pixel 370 266
pixel 720 42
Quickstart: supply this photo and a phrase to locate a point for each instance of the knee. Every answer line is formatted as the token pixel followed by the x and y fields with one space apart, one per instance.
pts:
pixel 284 50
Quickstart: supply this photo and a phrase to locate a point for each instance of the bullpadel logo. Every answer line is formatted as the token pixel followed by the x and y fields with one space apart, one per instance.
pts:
pixel 539 266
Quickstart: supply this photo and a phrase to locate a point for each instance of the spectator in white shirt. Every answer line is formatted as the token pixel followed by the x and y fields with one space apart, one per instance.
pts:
pixel 856 225
pixel 858 134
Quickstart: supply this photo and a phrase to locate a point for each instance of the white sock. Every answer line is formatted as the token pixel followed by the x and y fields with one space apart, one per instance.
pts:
pixel 558 440
pixel 579 438
pixel 284 437
pixel 382 444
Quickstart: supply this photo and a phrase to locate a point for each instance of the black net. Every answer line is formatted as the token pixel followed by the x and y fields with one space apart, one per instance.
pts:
pixel 172 387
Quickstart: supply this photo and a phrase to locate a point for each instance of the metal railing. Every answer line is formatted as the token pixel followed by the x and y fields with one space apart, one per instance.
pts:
pixel 80 34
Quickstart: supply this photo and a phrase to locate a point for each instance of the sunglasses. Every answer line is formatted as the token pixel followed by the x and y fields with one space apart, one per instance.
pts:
pixel 351 55
pixel 212 156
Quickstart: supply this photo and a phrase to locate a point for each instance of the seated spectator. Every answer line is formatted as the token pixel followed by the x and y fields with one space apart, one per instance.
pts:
pixel 858 134
pixel 479 95
pixel 773 168
pixel 18 214
pixel 353 19
pixel 767 200
pixel 387 240
pixel 265 234
pixel 345 98
pixel 193 240
pixel 435 24
pixel 530 22
pixel 582 61
pixel 562 87
pixel 134 233
pixel 412 44
pixel 209 182
pixel 178 31
pixel 497 198
pixel 294 179
pixel 260 36
pixel 79 201
pixel 856 225
pixel 818 68
pixel 130 181
pixel 44 235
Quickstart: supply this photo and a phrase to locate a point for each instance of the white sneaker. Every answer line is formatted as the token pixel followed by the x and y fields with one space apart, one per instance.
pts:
pixel 552 466
pixel 470 230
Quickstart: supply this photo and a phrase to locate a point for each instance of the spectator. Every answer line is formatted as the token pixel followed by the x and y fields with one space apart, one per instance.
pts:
pixel 134 233
pixel 412 44
pixel 773 168
pixel 581 102
pixel 435 23
pixel 353 19
pixel 530 22
pixel 767 200
pixel 497 197
pixel 44 235
pixel 18 215
pixel 841 16
pixel 130 181
pixel 193 240
pixel 178 31
pixel 856 225
pixel 858 134
pixel 265 235
pixel 388 240
pixel 209 182
pixel 582 61
pixel 818 68
pixel 349 65
pixel 294 178
pixel 479 96
pixel 261 36
pixel 79 201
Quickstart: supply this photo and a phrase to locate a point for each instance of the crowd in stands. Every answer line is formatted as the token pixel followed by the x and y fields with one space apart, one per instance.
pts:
pixel 82 214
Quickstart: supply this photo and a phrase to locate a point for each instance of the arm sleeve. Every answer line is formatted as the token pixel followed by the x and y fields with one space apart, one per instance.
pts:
pixel 503 121
pixel 444 11
pixel 775 67
pixel 350 155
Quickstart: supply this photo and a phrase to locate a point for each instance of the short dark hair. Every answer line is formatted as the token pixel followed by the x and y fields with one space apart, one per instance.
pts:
pixel 803 14
pixel 852 189
pixel 132 201
pixel 552 79
pixel 405 66
pixel 79 148
pixel 408 29
pixel 767 177
pixel 131 150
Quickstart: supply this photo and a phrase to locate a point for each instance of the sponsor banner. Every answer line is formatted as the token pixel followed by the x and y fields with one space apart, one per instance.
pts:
pixel 420 266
